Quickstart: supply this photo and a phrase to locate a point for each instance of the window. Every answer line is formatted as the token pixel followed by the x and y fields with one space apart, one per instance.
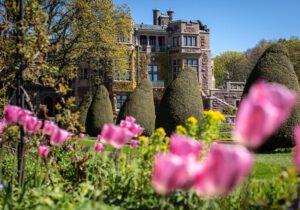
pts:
pixel 120 101
pixel 192 63
pixel 122 38
pixel 121 75
pixel 143 40
pixel 190 41
pixel 176 41
pixel 175 66
pixel 153 73
pixel 152 40
pixel 84 73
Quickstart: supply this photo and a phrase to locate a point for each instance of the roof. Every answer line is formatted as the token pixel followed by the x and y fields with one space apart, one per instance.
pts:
pixel 150 27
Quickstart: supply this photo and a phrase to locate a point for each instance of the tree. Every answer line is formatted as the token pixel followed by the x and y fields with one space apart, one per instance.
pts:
pixel 232 64
pixel 275 66
pixel 83 108
pixel 140 105
pixel 99 113
pixel 181 100
pixel 293 46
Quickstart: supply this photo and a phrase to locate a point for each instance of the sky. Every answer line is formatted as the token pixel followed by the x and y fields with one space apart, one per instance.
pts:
pixel 234 24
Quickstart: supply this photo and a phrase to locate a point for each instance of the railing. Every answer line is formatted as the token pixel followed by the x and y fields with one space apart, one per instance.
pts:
pixel 158 84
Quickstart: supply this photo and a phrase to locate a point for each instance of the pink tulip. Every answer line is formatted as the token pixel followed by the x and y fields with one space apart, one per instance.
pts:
pixel 99 138
pixel 99 147
pixel 297 147
pixel 43 151
pixel 3 124
pixel 134 144
pixel 49 127
pixel 12 113
pixel 31 124
pixel 59 136
pixel 184 146
pixel 171 172
pixel 115 135
pixel 81 136
pixel 129 123
pixel 224 168
pixel 69 148
pixel 262 112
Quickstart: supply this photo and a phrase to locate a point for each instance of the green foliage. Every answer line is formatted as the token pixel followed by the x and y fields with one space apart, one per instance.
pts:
pixel 99 113
pixel 181 100
pixel 84 107
pixel 275 66
pixel 230 64
pixel 140 105
pixel 293 47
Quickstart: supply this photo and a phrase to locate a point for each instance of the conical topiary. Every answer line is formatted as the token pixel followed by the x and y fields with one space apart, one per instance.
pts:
pixel 274 66
pixel 99 113
pixel 140 105
pixel 83 108
pixel 181 100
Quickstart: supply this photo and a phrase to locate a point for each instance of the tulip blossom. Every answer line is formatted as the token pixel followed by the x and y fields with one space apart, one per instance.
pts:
pixel 31 124
pixel 81 136
pixel 43 151
pixel 12 113
pixel 69 148
pixel 115 135
pixel 262 112
pixel 184 146
pixel 130 124
pixel 134 144
pixel 224 168
pixel 3 123
pixel 49 127
pixel 59 136
pixel 297 147
pixel 99 147
pixel 172 172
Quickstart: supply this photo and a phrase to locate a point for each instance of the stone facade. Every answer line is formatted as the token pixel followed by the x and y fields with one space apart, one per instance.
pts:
pixel 159 51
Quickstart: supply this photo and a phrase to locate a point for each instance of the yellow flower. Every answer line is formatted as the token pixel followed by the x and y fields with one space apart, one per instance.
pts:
pixel 192 120
pixel 180 129
pixel 143 139
pixel 215 115
pixel 167 140
pixel 160 132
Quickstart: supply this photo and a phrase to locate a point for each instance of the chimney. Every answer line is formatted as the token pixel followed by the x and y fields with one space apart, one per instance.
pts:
pixel 170 13
pixel 155 16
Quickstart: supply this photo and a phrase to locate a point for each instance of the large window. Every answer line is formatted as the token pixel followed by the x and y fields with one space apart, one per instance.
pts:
pixel 120 101
pixel 121 75
pixel 193 64
pixel 84 74
pixel 176 41
pixel 175 66
pixel 143 40
pixel 153 72
pixel 190 41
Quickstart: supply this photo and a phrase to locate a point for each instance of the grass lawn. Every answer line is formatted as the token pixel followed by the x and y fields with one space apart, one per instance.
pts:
pixel 266 166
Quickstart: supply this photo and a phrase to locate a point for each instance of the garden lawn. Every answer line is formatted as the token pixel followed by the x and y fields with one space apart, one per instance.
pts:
pixel 267 166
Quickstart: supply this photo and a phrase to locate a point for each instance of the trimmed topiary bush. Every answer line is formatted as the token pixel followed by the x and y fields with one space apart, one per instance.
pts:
pixel 275 66
pixel 182 99
pixel 140 105
pixel 99 113
pixel 83 108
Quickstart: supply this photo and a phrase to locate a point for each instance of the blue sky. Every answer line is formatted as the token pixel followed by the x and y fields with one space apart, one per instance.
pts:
pixel 234 24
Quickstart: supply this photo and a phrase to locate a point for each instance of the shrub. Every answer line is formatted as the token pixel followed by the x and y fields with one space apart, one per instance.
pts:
pixel 140 105
pixel 83 108
pixel 100 112
pixel 182 99
pixel 275 66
